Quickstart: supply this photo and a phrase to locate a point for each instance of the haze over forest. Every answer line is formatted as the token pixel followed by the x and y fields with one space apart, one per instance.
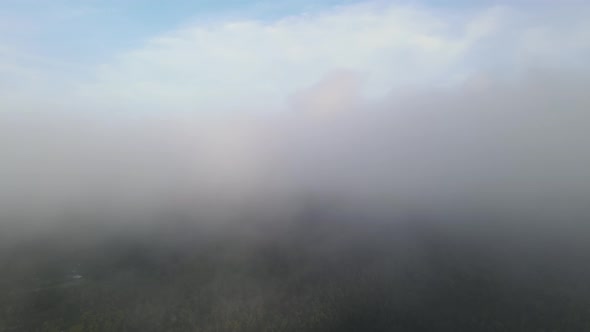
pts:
pixel 347 166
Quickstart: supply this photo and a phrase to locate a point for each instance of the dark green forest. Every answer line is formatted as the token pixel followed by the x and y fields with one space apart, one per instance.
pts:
pixel 314 273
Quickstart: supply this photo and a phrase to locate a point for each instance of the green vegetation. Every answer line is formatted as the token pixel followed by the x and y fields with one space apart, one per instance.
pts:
pixel 312 278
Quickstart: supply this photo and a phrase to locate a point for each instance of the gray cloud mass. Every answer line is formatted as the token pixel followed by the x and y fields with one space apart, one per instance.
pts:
pixel 517 147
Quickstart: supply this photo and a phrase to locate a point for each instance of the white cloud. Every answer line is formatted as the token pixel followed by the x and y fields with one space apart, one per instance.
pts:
pixel 229 63
pixel 260 64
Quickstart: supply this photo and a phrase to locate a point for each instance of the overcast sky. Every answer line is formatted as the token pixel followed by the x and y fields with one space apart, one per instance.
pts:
pixel 416 103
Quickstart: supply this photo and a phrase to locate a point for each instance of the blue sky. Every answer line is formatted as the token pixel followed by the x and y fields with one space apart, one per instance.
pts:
pixel 170 54
pixel 85 30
